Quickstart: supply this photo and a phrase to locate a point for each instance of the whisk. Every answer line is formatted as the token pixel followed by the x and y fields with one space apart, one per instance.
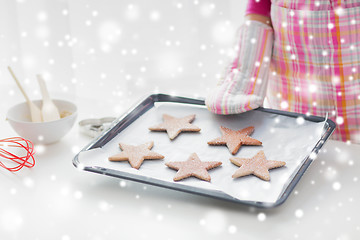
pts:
pixel 16 161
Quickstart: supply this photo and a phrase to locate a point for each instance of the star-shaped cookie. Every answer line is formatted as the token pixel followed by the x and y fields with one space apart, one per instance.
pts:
pixel 193 167
pixel 136 154
pixel 173 126
pixel 234 139
pixel 258 165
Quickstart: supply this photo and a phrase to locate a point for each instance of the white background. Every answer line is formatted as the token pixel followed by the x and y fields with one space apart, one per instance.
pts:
pixel 126 49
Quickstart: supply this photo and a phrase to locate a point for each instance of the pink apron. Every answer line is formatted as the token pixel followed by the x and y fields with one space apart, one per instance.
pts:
pixel 315 66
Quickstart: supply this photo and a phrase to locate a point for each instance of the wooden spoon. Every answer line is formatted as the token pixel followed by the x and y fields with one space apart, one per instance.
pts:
pixel 49 110
pixel 34 110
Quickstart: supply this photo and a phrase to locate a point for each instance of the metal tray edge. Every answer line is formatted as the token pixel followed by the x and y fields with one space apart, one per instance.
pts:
pixel 150 100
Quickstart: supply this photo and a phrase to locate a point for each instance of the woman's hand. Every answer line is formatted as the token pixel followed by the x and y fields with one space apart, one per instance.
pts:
pixel 243 86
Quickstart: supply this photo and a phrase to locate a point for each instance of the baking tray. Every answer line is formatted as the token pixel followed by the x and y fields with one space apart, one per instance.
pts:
pixel 149 103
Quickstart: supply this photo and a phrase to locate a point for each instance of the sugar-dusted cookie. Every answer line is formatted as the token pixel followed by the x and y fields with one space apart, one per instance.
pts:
pixel 193 167
pixel 173 126
pixel 136 154
pixel 258 165
pixel 234 139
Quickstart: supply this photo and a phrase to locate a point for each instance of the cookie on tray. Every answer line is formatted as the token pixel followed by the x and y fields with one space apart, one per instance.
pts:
pixel 174 126
pixel 258 165
pixel 235 139
pixel 136 154
pixel 193 167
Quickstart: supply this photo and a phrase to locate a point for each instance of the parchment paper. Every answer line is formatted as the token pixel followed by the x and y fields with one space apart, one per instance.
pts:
pixel 284 139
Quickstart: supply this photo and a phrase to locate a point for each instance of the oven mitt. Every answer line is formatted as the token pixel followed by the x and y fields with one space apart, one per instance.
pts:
pixel 243 86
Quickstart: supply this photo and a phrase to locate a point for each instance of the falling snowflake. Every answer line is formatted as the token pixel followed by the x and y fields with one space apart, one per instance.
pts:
pixel 29 182
pixel 284 105
pixel 132 12
pixel 104 206
pixel 78 194
pixel 159 217
pixel 155 16
pixel 300 120
pixel 75 149
pixel 214 221
pixel 109 32
pixel 339 11
pixel 179 5
pixel 261 217
pixel 223 32
pixel 42 16
pixel 336 186
pixel 299 213
pixel 13 191
pixel 42 32
pixel 339 120
pixel 232 229
pixel 312 88
pixel 65 237
pixel 207 9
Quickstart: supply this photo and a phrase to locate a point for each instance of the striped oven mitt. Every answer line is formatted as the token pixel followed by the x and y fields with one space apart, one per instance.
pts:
pixel 244 85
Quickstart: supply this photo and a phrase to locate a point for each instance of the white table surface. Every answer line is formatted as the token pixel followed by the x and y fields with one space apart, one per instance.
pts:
pixel 54 200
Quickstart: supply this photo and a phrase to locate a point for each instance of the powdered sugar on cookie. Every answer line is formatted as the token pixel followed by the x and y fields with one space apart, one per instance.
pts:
pixel 193 167
pixel 136 154
pixel 174 126
pixel 235 139
pixel 258 165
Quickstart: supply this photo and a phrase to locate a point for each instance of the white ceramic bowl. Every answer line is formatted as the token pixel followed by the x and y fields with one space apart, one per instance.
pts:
pixel 41 132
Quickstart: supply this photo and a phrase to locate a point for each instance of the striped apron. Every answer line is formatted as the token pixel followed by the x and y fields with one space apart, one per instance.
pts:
pixel 315 66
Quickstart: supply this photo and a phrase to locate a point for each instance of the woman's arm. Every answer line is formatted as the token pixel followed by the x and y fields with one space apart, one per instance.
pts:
pixel 243 86
pixel 258 10
pixel 259 18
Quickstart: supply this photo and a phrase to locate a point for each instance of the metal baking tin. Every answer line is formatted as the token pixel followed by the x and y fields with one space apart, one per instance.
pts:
pixel 124 121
